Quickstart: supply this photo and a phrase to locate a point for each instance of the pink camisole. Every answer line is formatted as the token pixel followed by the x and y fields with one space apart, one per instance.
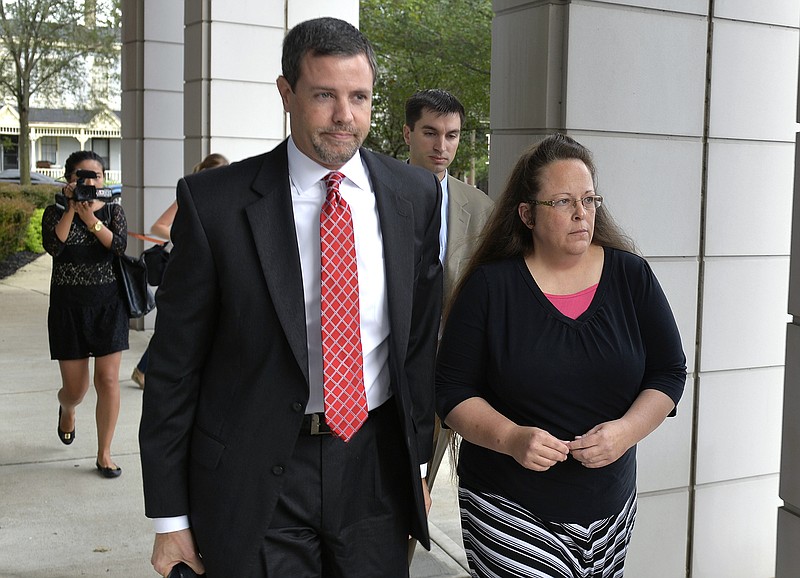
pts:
pixel 574 304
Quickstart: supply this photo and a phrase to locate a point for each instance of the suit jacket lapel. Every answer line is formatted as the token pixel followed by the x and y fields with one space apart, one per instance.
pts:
pixel 394 213
pixel 272 224
pixel 458 215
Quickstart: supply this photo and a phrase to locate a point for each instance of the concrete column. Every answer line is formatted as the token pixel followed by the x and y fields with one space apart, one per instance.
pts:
pixel 82 139
pixel 34 146
pixel 232 58
pixel 788 554
pixel 215 95
pixel 690 114
pixel 152 111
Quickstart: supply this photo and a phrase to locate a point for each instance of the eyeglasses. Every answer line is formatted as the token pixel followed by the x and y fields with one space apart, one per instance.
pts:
pixel 589 203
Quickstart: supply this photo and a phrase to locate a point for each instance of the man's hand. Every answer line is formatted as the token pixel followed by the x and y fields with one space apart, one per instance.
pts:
pixel 173 547
pixel 426 494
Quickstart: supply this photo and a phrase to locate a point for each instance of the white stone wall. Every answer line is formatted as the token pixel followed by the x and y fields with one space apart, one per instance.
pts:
pixel 233 53
pixel 705 191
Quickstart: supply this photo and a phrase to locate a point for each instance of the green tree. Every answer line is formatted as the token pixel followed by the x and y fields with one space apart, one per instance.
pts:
pixel 51 48
pixel 431 44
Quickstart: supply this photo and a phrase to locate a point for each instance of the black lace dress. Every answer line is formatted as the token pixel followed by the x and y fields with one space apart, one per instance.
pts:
pixel 87 316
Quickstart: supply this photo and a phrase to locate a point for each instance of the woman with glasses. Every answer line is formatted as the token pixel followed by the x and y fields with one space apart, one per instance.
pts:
pixel 559 354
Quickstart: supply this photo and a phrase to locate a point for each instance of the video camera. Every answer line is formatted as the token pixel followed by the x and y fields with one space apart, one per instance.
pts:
pixel 84 192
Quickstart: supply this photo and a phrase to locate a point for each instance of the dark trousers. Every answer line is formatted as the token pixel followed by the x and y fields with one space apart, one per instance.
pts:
pixel 142 365
pixel 345 508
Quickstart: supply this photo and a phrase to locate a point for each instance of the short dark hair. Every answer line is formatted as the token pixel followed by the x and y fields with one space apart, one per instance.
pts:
pixel 323 37
pixel 78 157
pixel 439 101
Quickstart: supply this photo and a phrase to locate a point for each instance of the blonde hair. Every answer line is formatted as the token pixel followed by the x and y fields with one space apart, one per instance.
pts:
pixel 212 161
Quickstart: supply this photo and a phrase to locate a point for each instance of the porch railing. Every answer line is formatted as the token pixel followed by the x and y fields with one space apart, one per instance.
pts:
pixel 111 177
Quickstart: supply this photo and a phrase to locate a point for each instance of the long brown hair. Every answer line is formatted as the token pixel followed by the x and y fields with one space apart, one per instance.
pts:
pixel 506 236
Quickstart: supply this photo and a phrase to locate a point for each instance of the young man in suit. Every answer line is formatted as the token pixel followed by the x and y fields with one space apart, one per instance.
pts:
pixel 247 471
pixel 432 131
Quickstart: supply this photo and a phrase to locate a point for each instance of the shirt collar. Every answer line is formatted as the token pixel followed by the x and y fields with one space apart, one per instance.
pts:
pixel 305 172
pixel 443 182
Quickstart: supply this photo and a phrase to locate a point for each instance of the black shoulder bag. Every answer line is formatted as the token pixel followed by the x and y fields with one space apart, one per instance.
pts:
pixel 155 258
pixel 132 276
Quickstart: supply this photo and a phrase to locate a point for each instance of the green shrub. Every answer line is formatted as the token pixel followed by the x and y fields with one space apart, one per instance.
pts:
pixel 37 195
pixel 15 217
pixel 33 236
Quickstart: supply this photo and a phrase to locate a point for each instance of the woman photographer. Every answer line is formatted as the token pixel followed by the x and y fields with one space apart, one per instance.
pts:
pixel 87 316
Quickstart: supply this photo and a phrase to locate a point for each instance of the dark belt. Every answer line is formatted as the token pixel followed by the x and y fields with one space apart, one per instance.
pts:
pixel 314 423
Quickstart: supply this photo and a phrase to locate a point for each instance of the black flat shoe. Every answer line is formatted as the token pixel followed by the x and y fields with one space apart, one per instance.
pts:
pixel 66 437
pixel 109 472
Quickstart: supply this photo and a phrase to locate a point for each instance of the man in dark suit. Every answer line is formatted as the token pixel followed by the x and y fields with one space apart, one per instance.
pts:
pixel 235 475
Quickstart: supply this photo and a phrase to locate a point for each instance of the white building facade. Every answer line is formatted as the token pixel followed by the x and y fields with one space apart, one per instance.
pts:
pixel 691 110
pixel 57 133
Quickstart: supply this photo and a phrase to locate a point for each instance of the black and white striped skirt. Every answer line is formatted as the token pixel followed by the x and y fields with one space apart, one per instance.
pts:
pixel 504 540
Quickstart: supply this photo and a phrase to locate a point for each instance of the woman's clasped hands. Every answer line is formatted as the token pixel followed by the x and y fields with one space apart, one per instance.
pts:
pixel 538 450
pixel 602 445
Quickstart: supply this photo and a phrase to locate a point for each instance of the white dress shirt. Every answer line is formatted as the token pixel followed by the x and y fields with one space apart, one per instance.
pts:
pixel 443 226
pixel 308 195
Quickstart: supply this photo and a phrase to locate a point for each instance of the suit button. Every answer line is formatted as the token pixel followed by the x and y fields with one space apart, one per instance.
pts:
pixel 297 407
pixel 277 470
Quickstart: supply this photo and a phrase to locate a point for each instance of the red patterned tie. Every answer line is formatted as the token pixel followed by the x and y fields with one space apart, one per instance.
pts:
pixel 342 364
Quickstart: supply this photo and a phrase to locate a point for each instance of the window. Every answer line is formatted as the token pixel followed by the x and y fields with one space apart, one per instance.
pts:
pixel 48 149
pixel 9 146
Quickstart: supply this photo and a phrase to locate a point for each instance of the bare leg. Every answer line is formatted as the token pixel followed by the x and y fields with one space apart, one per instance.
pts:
pixel 106 382
pixel 74 385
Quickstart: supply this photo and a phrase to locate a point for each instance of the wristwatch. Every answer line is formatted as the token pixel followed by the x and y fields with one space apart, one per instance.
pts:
pixel 97 226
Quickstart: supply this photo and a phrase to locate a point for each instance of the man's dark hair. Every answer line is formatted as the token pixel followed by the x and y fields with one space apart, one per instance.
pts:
pixel 438 101
pixel 323 37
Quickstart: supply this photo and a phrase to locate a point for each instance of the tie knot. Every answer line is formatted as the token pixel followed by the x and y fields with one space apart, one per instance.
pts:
pixel 332 181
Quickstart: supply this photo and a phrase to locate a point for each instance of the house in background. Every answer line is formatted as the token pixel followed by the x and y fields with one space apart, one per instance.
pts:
pixel 57 133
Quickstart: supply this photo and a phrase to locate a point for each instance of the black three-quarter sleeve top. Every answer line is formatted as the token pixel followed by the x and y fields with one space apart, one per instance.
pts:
pixel 505 342
pixel 83 271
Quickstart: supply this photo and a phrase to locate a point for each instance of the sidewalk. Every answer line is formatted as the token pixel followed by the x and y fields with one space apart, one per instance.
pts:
pixel 58 517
